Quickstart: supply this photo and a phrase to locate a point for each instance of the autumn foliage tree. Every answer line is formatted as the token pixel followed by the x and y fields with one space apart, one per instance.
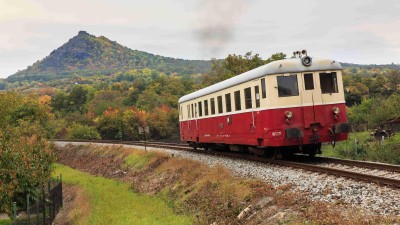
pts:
pixel 25 154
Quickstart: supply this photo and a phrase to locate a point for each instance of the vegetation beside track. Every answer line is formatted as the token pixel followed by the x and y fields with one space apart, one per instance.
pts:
pixel 209 194
pixel 361 146
pixel 5 222
pixel 113 202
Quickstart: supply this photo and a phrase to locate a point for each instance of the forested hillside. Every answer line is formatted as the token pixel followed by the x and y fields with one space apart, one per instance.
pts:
pixel 88 55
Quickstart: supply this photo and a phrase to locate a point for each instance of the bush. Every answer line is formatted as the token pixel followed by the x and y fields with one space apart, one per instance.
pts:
pixel 79 131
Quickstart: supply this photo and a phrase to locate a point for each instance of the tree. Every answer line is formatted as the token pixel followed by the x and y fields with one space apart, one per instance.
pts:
pixel 110 125
pixel 132 120
pixel 25 153
pixel 394 79
pixel 77 99
pixel 3 85
pixel 234 65
pixel 275 57
pixel 161 124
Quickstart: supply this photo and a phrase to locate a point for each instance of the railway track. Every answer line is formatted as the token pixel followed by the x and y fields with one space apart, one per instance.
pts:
pixel 383 174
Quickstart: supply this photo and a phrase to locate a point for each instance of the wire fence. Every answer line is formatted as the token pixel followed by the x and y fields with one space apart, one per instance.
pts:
pixel 43 208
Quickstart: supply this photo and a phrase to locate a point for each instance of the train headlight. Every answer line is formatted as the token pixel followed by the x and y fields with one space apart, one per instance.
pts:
pixel 289 114
pixel 306 60
pixel 335 110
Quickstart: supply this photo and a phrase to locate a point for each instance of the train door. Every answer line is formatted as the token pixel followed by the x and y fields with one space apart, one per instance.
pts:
pixel 311 96
pixel 196 115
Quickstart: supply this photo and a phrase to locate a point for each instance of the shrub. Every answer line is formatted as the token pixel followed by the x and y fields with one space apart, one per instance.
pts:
pixel 79 131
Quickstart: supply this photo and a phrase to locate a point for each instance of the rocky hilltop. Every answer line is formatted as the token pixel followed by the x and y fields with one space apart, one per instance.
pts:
pixel 86 54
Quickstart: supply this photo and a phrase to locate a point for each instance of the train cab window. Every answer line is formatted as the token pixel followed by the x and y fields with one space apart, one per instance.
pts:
pixel 212 102
pixel 247 98
pixel 206 107
pixel 308 81
pixel 257 95
pixel 328 83
pixel 192 111
pixel 200 109
pixel 238 106
pixel 263 88
pixel 219 101
pixel 287 86
pixel 228 102
pixel 180 112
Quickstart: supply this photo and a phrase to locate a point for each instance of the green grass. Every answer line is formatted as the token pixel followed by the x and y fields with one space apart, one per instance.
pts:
pixel 113 202
pixel 348 146
pixel 362 146
pixel 5 222
pixel 137 161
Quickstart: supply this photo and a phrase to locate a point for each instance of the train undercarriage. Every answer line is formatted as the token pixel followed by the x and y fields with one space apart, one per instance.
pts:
pixel 270 152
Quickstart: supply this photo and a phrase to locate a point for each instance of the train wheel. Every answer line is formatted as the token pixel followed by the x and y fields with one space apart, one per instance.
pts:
pixel 315 150
pixel 275 153
pixel 193 145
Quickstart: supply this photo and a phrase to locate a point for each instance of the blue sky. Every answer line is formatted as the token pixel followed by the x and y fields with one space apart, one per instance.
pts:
pixel 358 31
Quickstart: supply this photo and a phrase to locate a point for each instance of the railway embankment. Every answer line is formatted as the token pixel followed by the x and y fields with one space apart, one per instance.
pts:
pixel 211 192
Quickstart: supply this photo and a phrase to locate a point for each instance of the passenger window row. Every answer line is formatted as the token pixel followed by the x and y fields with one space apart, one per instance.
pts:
pixel 287 86
pixel 217 105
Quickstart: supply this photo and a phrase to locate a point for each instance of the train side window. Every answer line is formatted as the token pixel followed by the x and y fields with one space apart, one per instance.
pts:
pixel 228 102
pixel 238 106
pixel 287 86
pixel 247 98
pixel 308 81
pixel 328 83
pixel 219 101
pixel 188 111
pixel 192 111
pixel 212 102
pixel 206 107
pixel 257 95
pixel 263 88
pixel 195 111
pixel 200 109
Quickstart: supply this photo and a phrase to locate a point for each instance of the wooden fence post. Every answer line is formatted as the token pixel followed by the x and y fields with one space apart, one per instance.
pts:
pixel 27 209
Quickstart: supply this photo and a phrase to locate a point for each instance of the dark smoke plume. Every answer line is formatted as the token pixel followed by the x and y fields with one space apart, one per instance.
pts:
pixel 216 22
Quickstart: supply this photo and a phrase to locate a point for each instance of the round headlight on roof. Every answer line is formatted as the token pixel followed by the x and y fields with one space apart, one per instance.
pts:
pixel 306 60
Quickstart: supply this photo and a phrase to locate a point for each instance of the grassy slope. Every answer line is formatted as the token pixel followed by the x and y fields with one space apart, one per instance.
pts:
pixel 112 202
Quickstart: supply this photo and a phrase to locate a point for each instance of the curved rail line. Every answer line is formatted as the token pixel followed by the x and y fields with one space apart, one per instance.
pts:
pixel 306 165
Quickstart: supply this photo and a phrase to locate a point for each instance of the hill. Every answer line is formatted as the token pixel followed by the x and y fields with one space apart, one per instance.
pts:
pixel 86 55
pixel 370 66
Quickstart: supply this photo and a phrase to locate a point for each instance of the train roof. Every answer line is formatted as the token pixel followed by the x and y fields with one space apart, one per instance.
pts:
pixel 292 65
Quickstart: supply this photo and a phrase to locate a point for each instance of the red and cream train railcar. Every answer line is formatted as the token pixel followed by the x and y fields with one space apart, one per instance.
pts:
pixel 292 104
